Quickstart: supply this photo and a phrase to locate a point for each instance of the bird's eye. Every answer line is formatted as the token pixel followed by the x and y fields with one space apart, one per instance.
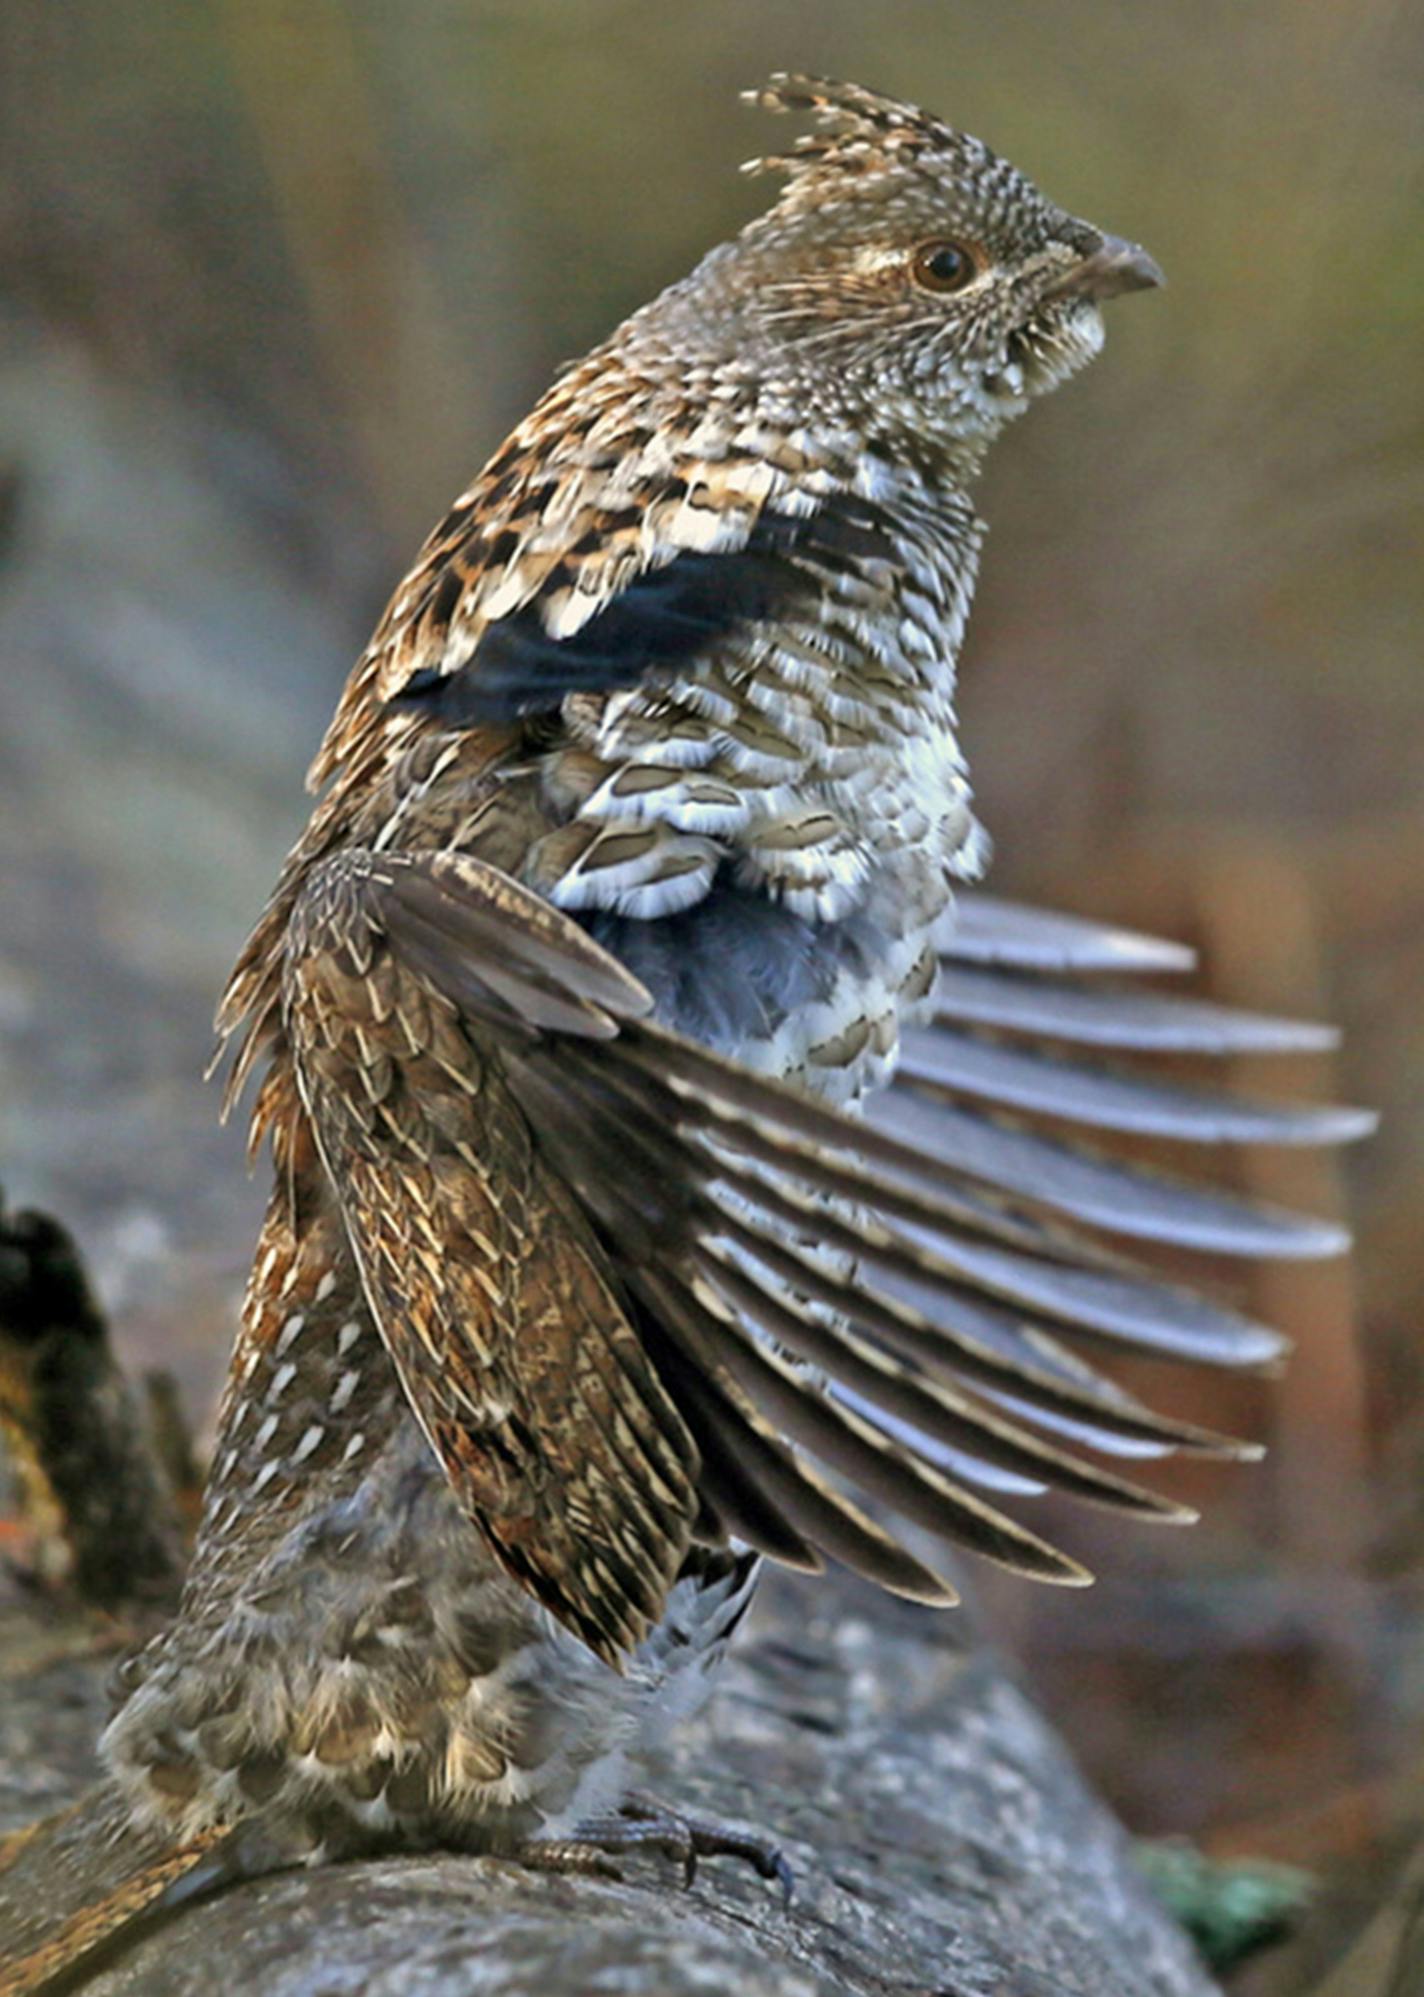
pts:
pixel 943 266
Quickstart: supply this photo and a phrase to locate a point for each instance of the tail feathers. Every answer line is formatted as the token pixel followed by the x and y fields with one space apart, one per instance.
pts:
pixel 73 1882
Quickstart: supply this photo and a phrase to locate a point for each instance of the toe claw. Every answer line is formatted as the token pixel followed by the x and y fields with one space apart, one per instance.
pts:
pixel 641 1825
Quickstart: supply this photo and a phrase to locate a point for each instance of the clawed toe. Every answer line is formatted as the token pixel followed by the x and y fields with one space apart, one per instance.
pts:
pixel 692 1838
pixel 586 1858
pixel 642 1825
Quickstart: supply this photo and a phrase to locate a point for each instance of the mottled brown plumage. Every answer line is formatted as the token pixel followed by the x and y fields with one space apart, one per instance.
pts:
pixel 579 1289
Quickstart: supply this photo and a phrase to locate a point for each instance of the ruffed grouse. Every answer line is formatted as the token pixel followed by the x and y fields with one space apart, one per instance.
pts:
pixel 580 1291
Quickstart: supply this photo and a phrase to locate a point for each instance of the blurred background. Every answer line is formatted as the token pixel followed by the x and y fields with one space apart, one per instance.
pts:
pixel 275 278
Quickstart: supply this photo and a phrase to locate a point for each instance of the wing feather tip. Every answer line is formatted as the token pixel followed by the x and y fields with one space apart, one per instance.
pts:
pixel 930 1592
pixel 1070 1574
pixel 1311 1239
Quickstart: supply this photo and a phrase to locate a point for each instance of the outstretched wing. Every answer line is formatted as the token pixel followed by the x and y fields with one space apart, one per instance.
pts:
pixel 638 1295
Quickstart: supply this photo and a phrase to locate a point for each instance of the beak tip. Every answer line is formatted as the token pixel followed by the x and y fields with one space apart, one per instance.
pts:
pixel 1114 267
pixel 1122 266
pixel 1147 273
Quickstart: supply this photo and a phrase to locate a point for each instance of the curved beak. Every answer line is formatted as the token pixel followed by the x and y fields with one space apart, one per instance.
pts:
pixel 1113 267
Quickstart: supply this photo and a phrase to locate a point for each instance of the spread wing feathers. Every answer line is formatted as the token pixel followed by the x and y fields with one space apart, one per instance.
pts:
pixel 1124 1021
pixel 1088 1185
pixel 639 1294
pixel 982 929
pixel 1021 1079
pixel 1017 975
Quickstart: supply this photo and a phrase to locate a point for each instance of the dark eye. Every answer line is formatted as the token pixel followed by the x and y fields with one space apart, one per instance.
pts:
pixel 943 266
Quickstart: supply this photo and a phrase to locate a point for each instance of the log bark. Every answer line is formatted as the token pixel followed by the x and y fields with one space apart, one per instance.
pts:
pixel 942 1841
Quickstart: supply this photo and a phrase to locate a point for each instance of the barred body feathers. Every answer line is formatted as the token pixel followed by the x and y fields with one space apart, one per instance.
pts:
pixel 634 871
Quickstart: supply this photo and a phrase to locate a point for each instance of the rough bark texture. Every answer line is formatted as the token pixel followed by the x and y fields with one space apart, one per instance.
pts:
pixel 942 1843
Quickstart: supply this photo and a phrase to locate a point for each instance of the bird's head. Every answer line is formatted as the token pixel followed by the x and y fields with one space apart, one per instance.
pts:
pixel 910 272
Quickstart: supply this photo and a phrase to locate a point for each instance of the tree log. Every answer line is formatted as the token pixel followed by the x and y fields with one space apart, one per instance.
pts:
pixel 942 1843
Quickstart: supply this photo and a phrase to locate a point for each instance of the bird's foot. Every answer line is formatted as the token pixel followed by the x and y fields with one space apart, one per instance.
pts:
pixel 642 1825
